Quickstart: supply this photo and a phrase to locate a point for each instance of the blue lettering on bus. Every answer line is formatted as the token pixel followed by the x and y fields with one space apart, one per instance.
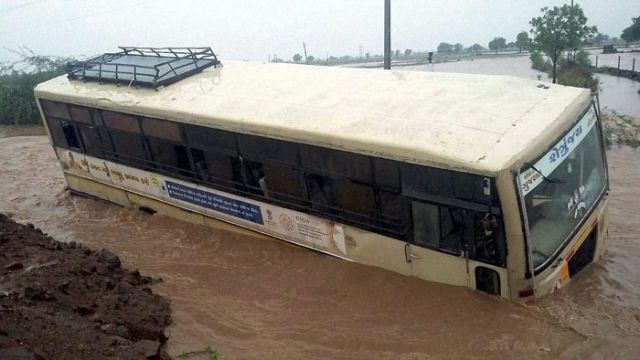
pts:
pixel 223 204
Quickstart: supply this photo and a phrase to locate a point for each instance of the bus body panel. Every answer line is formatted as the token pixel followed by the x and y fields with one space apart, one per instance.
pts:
pixel 360 246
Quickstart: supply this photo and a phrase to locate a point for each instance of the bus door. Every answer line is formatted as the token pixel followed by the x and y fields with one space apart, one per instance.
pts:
pixel 458 246
pixel 437 251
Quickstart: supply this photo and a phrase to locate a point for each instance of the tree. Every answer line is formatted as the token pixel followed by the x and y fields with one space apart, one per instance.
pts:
pixel 632 33
pixel 558 30
pixel 408 52
pixel 497 43
pixel 476 48
pixel 457 48
pixel 522 40
pixel 444 47
pixel 297 58
pixel 310 59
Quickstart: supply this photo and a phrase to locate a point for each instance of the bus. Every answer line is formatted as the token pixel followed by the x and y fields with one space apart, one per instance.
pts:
pixel 494 183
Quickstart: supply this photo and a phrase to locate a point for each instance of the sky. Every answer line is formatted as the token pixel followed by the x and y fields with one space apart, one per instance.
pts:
pixel 254 30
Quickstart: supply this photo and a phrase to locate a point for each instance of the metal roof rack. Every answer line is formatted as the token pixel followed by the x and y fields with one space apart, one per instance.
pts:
pixel 144 66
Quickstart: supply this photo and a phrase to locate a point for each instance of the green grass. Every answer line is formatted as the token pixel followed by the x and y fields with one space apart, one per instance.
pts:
pixel 208 352
pixel 621 130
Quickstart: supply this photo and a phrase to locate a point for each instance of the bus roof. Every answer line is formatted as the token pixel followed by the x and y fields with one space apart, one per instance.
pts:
pixel 475 123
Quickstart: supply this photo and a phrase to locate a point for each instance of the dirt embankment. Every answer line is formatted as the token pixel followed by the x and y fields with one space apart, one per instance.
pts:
pixel 65 301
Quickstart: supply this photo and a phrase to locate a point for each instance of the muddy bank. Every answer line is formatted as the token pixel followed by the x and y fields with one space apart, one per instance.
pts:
pixel 64 301
pixel 632 75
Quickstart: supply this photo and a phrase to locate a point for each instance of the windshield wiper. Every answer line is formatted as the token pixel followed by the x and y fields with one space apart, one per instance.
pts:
pixel 553 180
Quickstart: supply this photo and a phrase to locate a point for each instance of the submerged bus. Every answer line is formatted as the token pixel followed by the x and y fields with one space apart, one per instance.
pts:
pixel 495 183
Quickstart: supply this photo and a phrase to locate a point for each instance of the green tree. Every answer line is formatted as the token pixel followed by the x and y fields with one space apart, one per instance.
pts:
pixel 632 33
pixel 310 59
pixel 558 30
pixel 407 52
pixel 476 48
pixel 497 43
pixel 297 58
pixel 457 48
pixel 523 41
pixel 444 47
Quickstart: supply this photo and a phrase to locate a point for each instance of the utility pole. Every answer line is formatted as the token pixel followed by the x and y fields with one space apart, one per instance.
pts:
pixel 387 34
pixel 304 47
pixel 360 53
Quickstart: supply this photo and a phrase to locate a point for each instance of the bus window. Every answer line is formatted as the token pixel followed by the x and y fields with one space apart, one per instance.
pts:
pixel 439 227
pixel 256 147
pixel 70 135
pixel 161 129
pixel 90 140
pixel 426 224
pixel 488 243
pixel 57 134
pixel 428 180
pixel 80 114
pixel 128 147
pixel 207 138
pixel 169 157
pixel 55 109
pixel 387 173
pixel 214 168
pixel 120 121
pixel 344 164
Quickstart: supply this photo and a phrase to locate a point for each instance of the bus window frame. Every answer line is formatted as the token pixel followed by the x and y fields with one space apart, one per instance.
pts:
pixel 521 201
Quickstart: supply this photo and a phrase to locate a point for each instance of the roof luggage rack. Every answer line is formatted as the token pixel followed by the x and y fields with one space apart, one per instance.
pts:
pixel 144 66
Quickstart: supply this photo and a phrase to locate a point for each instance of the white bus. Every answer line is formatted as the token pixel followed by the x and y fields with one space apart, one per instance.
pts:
pixel 495 183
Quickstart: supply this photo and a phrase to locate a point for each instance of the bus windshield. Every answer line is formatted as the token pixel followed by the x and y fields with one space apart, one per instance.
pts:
pixel 561 187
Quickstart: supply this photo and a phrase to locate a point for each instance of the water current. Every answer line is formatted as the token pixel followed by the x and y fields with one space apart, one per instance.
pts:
pixel 251 298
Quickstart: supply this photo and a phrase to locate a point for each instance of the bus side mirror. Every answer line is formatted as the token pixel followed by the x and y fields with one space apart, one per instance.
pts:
pixel 486 186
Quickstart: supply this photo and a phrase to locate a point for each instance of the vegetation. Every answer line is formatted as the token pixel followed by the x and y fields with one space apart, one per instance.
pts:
pixel 621 130
pixel 523 41
pixel 497 43
pixel 632 33
pixel 17 80
pixel 297 58
pixel 559 30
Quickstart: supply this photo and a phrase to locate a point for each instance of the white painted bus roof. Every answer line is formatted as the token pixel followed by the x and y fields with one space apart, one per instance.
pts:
pixel 476 123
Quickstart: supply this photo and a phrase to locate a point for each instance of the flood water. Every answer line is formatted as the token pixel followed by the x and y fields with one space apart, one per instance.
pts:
pixel 251 298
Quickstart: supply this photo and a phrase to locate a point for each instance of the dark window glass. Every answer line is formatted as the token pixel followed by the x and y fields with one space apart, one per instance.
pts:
pixel 427 179
pixel 120 121
pixel 269 149
pixel 284 180
pixel 80 114
pixel 105 140
pixel 488 245
pixel 341 195
pixel 216 168
pixel 426 224
pixel 90 140
pixel 169 157
pixel 336 162
pixel 57 134
pixel 393 211
pixel 204 137
pixel 54 108
pixel 129 147
pixel 70 135
pixel 439 227
pixel 387 173
pixel 161 129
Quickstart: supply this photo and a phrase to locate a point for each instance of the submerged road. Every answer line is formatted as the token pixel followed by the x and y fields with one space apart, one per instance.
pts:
pixel 250 298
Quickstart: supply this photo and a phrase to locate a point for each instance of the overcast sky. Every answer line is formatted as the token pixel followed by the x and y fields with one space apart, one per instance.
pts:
pixel 253 29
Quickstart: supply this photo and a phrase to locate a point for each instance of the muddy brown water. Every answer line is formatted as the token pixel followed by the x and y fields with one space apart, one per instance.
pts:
pixel 251 298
